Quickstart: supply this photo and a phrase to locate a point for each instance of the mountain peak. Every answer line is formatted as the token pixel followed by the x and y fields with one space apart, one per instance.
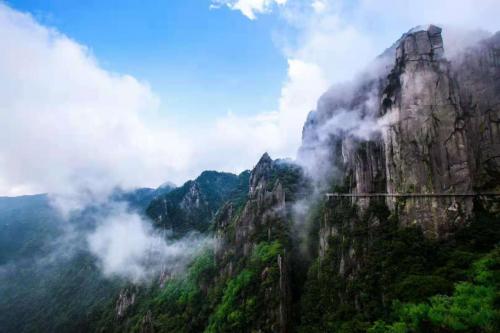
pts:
pixel 431 28
pixel 265 159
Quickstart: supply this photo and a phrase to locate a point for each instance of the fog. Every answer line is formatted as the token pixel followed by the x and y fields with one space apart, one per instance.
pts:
pixel 127 246
pixel 77 131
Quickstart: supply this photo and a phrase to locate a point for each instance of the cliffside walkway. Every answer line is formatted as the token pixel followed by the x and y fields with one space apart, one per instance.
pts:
pixel 410 195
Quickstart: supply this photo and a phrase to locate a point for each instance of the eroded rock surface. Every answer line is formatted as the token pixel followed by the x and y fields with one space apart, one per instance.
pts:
pixel 425 124
pixel 262 220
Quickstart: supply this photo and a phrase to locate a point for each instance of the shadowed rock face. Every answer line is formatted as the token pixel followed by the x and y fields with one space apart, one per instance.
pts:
pixel 433 127
pixel 425 140
pixel 263 218
pixel 477 72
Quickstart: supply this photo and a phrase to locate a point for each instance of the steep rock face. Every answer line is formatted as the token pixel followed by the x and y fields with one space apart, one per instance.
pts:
pixel 416 123
pixel 245 233
pixel 425 141
pixel 265 208
pixel 478 73
pixel 126 298
pixel 425 124
pixel 426 145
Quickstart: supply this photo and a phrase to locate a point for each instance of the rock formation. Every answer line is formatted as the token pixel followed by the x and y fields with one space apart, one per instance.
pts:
pixel 416 124
pixel 262 220
pixel 431 127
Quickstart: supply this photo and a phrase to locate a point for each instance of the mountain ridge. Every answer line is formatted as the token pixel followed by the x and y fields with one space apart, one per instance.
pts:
pixel 287 260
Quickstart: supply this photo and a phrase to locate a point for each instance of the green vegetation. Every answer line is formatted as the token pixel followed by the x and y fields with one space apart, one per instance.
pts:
pixel 27 224
pixel 192 206
pixel 44 288
pixel 473 306
pixel 245 297
pixel 373 275
pixel 198 302
pixel 181 305
pixel 380 272
pixel 236 309
pixel 291 178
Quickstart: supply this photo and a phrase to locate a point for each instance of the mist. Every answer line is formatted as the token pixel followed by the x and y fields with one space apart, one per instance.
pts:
pixel 77 131
pixel 127 246
pixel 350 112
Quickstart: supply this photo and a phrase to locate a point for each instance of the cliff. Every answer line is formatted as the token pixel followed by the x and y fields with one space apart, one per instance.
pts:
pixel 419 131
pixel 257 236
pixel 425 124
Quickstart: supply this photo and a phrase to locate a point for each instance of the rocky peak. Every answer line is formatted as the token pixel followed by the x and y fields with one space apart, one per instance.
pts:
pixel 262 221
pixel 437 129
pixel 260 174
pixel 265 158
pixel 420 43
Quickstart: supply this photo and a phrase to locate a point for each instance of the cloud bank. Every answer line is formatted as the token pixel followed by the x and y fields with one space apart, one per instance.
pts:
pixel 75 130
pixel 72 128
pixel 127 246
pixel 68 126
pixel 327 42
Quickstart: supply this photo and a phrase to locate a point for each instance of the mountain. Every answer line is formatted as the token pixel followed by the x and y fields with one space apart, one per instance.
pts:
pixel 239 285
pixel 192 206
pixel 410 255
pixel 52 283
pixel 46 285
pixel 27 223
pixel 438 128
pixel 389 220
pixel 406 240
pixel 139 199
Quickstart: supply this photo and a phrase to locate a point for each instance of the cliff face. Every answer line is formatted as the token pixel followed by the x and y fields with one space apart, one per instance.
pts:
pixel 255 235
pixel 415 123
pixel 477 72
pixel 430 127
pixel 417 131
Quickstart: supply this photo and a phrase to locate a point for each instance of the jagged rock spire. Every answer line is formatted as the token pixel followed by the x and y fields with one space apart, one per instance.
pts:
pixel 260 173
pixel 265 159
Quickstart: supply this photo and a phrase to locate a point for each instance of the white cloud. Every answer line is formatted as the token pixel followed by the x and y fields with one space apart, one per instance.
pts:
pixel 319 5
pixel 331 41
pixel 472 14
pixel 241 140
pixel 249 8
pixel 70 127
pixel 305 83
pixel 128 247
pixel 75 130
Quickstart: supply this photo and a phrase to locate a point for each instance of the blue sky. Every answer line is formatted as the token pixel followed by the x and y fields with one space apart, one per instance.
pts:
pixel 200 62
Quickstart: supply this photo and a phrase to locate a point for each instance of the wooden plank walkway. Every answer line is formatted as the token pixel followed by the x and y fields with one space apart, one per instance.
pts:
pixel 410 195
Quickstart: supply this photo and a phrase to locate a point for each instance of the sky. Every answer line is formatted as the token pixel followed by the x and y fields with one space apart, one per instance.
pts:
pixel 181 48
pixel 97 94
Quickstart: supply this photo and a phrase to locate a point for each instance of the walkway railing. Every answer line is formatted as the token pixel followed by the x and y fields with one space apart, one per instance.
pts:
pixel 410 195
